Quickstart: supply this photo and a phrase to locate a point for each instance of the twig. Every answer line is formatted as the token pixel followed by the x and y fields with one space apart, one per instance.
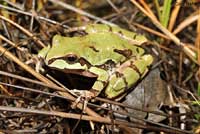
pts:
pixel 11 43
pixel 96 119
pixel 55 113
pixel 151 31
pixel 23 30
pixel 36 16
pixel 192 18
pixel 79 11
pixel 174 15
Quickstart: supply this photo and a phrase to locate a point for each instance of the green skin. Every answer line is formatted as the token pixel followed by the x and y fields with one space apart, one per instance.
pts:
pixel 111 54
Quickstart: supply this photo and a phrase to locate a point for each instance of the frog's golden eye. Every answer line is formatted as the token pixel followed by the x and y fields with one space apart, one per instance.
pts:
pixel 71 58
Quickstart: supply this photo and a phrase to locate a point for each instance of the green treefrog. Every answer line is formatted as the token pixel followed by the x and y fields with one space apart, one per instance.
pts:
pixel 111 54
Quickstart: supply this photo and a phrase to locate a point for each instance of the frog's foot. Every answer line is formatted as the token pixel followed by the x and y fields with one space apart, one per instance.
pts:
pixel 39 63
pixel 83 96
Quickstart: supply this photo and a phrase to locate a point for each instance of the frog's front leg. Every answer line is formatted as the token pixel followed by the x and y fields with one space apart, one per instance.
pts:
pixel 97 87
pixel 101 81
pixel 127 74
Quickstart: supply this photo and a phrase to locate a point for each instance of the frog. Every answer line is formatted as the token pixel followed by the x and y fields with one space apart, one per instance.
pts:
pixel 111 54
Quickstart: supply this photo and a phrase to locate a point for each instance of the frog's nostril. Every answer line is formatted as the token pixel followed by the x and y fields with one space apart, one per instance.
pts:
pixel 71 58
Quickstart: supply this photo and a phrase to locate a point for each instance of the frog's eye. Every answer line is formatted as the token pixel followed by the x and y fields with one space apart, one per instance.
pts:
pixel 71 58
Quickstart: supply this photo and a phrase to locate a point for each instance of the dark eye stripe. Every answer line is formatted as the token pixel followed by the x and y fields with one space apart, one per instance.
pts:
pixel 51 61
pixel 71 58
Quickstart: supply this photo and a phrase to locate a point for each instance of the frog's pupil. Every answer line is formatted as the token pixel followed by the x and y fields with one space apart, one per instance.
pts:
pixel 71 58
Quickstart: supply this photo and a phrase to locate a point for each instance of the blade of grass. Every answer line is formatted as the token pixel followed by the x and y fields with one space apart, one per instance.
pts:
pixel 166 13
pixel 197 44
pixel 156 3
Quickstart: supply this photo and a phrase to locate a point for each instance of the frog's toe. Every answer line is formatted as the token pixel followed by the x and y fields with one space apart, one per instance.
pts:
pixel 83 97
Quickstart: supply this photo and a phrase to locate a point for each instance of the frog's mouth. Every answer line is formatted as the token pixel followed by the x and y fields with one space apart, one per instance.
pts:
pixel 79 72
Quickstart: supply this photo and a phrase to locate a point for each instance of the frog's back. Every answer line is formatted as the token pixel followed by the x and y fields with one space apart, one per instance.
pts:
pixel 101 47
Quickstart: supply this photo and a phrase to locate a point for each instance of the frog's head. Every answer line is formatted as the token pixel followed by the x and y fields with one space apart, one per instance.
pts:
pixel 64 55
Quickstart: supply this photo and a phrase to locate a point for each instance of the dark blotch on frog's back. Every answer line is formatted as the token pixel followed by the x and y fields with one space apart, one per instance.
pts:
pixel 94 49
pixel 121 75
pixel 120 32
pixel 110 28
pixel 137 49
pixel 118 74
pixel 135 68
pixel 134 37
pixel 126 83
pixel 126 52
